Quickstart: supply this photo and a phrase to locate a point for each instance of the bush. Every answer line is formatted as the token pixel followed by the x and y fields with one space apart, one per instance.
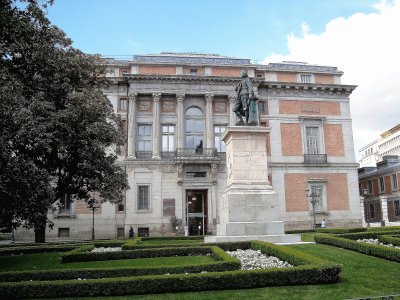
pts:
pixel 341 230
pixel 369 249
pixel 367 235
pixel 386 228
pixel 35 249
pixel 82 255
pixel 165 238
pixel 389 239
pixel 299 231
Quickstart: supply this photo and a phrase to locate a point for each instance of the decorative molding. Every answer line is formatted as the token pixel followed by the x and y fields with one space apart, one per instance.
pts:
pixel 156 97
pixel 209 97
pixel 180 97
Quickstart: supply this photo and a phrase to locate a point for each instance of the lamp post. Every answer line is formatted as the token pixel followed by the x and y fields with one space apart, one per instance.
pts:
pixel 366 209
pixel 93 204
pixel 313 198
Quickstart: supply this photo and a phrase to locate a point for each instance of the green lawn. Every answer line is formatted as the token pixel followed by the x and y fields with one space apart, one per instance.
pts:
pixel 362 276
pixel 52 261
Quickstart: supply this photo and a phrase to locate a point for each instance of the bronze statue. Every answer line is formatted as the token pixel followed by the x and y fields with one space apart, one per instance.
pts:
pixel 246 102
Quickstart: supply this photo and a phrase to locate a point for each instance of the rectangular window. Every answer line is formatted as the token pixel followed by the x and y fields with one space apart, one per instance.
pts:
pixel 381 185
pixel 372 211
pixel 305 78
pixel 120 232
pixel 123 104
pixel 397 208
pixel 193 71
pixel 63 232
pixel 65 204
pixel 218 133
pixel 394 182
pixel 262 107
pixel 144 138
pixel 168 138
pixel 312 140
pixel 143 232
pixel 143 197
pixel 316 192
pixel 370 187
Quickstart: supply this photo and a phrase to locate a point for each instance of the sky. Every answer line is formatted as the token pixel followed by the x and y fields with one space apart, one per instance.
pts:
pixel 360 37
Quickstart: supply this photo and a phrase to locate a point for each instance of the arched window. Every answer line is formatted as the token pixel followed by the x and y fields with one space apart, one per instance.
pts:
pixel 194 127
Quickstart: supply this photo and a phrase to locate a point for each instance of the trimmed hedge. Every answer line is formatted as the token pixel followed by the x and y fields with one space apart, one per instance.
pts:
pixel 367 235
pixel 389 239
pixel 171 238
pixel 223 262
pixel 299 231
pixel 369 249
pixel 316 271
pixel 341 230
pixel 54 247
pixel 79 256
pixel 385 228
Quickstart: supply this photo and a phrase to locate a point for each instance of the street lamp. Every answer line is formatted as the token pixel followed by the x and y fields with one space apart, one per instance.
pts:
pixel 314 198
pixel 366 209
pixel 93 205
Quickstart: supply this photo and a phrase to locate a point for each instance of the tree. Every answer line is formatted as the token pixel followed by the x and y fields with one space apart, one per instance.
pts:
pixel 57 128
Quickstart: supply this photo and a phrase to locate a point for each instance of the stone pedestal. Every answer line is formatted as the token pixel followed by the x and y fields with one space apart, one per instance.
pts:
pixel 249 208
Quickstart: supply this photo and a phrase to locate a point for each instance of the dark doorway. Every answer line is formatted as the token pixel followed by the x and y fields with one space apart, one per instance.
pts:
pixel 196 211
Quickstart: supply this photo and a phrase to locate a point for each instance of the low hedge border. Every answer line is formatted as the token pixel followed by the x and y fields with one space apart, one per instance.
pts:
pixel 169 238
pixel 316 272
pixel 389 239
pixel 62 247
pixel 350 244
pixel 367 234
pixel 223 262
pixel 341 230
pixel 83 255
pixel 386 228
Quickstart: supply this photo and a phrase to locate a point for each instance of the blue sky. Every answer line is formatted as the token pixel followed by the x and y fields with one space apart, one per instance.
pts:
pixel 249 29
pixel 358 36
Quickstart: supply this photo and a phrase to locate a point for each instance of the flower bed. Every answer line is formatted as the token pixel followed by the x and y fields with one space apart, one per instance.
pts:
pixel 255 259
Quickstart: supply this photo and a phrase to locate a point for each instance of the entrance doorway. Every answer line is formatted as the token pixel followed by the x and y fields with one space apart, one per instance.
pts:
pixel 196 211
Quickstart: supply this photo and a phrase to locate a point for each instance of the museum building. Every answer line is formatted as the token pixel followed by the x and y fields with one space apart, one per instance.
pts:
pixel 175 109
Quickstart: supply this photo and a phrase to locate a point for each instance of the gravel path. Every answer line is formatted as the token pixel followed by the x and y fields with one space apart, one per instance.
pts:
pixel 254 259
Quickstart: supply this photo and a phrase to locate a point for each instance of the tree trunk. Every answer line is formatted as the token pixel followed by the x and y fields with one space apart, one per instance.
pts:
pixel 40 233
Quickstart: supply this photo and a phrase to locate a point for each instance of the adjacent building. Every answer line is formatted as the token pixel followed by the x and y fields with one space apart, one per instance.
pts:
pixel 175 109
pixel 379 192
pixel 388 143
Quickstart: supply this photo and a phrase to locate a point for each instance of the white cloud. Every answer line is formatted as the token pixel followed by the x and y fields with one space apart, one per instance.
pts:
pixel 366 48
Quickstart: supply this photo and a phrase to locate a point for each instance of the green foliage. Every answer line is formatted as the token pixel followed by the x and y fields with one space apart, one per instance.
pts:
pixel 341 230
pixel 55 122
pixel 143 253
pixel 389 239
pixel 387 228
pixel 38 249
pixel 368 235
pixel 299 231
pixel 369 249
pixel 200 238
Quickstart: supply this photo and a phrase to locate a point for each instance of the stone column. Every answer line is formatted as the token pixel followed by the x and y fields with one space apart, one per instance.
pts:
pixel 156 125
pixel 383 200
pixel 209 121
pixel 180 119
pixel 232 116
pixel 132 126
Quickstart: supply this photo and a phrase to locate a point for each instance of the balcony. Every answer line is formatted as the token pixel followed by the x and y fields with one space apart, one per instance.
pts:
pixel 202 155
pixel 315 159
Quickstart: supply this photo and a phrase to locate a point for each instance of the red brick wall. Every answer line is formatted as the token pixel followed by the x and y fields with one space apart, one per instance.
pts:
pixel 334 144
pixel 300 107
pixel 157 70
pixel 388 185
pixel 324 79
pixel 286 77
pixel 291 139
pixel 226 72
pixel 336 191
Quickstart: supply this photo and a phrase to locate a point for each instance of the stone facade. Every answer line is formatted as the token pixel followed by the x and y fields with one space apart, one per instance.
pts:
pixel 170 102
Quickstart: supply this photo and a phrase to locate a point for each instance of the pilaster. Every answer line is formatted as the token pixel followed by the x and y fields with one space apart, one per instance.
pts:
pixel 132 126
pixel 209 121
pixel 156 125
pixel 180 118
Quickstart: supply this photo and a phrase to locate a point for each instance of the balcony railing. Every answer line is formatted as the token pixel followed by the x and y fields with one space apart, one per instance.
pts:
pixel 196 154
pixel 315 159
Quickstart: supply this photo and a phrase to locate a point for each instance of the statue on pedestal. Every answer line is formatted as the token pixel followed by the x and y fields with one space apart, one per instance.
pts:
pixel 246 102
